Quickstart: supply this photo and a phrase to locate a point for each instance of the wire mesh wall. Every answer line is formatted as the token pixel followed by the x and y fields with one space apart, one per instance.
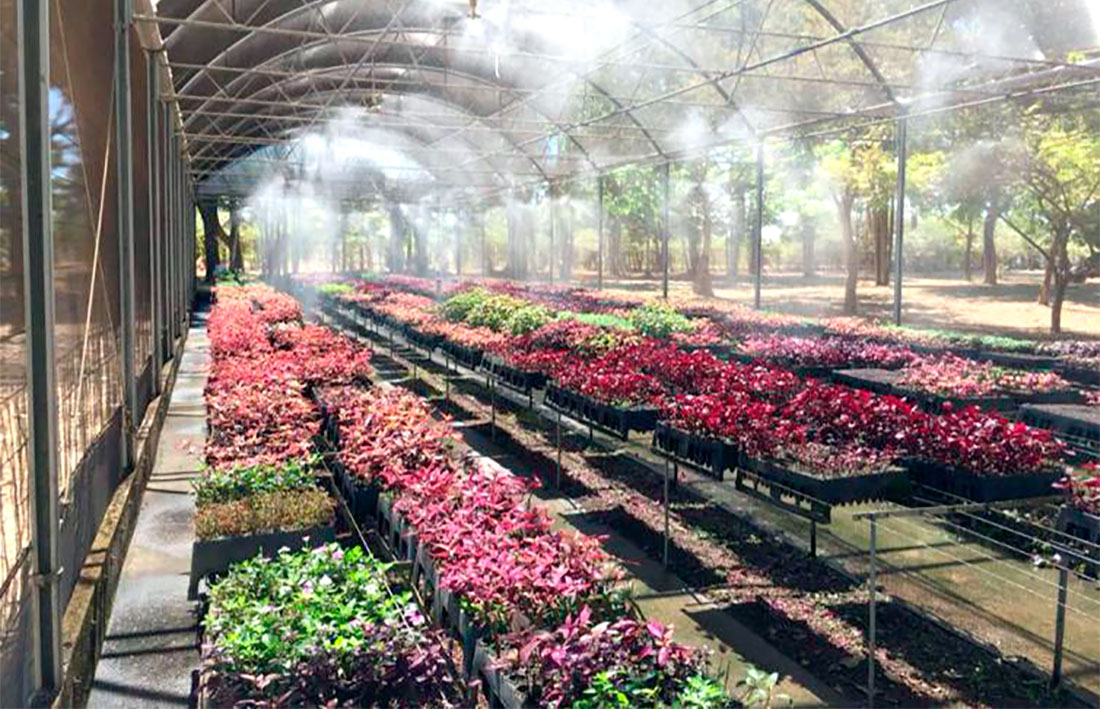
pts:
pixel 14 480
pixel 89 274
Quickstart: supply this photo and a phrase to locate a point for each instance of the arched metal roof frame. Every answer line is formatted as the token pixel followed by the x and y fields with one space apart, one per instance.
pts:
pixel 292 161
pixel 399 129
pixel 844 34
pixel 465 112
pixel 425 160
pixel 560 127
pixel 307 7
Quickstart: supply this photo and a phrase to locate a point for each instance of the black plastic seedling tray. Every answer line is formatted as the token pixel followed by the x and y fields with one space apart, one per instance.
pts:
pixel 889 484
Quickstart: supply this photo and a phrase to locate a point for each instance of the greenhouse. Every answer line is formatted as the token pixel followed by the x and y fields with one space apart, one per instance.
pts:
pixel 501 353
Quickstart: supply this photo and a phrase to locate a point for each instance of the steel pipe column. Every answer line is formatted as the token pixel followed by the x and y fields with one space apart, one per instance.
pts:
pixel 899 213
pixel 124 158
pixel 42 432
pixel 169 232
pixel 599 232
pixel 553 207
pixel 758 228
pixel 666 228
pixel 153 136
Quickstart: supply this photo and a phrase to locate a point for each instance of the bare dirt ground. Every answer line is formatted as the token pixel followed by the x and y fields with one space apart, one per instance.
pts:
pixel 1008 308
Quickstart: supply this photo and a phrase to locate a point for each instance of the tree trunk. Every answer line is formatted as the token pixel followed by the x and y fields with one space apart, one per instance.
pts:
pixel 396 262
pixel 236 254
pixel 1044 288
pixel 1057 299
pixel 517 259
pixel 702 284
pixel 566 236
pixel 486 260
pixel 878 225
pixel 737 232
pixel 420 240
pixel 968 259
pixel 989 246
pixel 847 232
pixel 1060 267
pixel 613 255
pixel 212 233
pixel 809 236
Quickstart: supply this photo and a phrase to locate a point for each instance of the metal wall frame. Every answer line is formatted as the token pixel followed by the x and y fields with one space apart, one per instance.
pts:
pixel 124 157
pixel 153 158
pixel 172 239
pixel 34 70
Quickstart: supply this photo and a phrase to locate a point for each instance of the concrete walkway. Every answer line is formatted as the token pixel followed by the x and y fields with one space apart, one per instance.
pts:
pixel 151 647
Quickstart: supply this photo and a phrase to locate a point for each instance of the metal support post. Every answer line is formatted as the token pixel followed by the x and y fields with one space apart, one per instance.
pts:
pixel 664 550
pixel 899 214
pixel 666 228
pixel 461 225
pixel 125 181
pixel 493 404
pixel 171 230
pixel 872 586
pixel 758 229
pixel 557 479
pixel 177 219
pixel 168 238
pixel 813 538
pixel 153 134
pixel 33 39
pixel 181 237
pixel 553 231
pixel 599 232
pixel 1059 625
pixel 188 210
pixel 192 286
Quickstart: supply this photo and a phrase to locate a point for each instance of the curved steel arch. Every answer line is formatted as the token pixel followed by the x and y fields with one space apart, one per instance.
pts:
pixel 425 165
pixel 458 107
pixel 293 14
pixel 459 110
pixel 563 128
pixel 303 47
pixel 474 149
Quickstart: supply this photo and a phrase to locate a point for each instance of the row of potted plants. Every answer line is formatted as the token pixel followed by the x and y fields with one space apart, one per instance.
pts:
pixel 950 375
pixel 259 491
pixel 737 320
pixel 320 627
pixel 547 604
pixel 638 372
pixel 290 622
pixel 825 352
pixel 930 378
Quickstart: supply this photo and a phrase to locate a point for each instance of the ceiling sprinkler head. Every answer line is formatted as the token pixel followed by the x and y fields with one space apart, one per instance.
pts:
pixel 372 102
